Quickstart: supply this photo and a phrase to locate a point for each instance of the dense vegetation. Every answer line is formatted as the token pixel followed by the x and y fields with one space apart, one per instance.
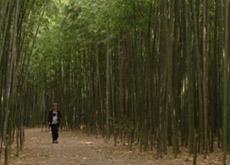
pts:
pixel 152 73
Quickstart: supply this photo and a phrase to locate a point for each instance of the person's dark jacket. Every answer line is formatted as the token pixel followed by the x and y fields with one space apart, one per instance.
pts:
pixel 50 117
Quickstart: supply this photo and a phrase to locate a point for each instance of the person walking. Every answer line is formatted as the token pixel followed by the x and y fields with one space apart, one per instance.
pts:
pixel 54 119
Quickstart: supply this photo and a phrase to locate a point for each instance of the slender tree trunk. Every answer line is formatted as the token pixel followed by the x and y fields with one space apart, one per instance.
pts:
pixel 205 75
pixel 107 101
pixel 226 77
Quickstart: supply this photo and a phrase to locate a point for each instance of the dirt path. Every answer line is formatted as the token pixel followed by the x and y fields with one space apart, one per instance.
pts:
pixel 79 149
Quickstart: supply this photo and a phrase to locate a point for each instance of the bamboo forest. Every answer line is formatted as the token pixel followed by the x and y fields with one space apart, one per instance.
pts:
pixel 151 76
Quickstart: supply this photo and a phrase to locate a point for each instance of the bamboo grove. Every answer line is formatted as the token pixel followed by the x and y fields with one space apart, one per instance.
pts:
pixel 147 73
pixel 17 37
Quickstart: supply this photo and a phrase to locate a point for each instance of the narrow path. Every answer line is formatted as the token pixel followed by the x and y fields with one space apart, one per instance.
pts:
pixel 79 149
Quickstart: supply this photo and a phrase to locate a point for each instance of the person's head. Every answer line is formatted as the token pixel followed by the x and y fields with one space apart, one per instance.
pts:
pixel 54 106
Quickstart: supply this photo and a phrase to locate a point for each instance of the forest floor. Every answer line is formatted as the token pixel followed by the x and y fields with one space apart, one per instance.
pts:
pixel 76 148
